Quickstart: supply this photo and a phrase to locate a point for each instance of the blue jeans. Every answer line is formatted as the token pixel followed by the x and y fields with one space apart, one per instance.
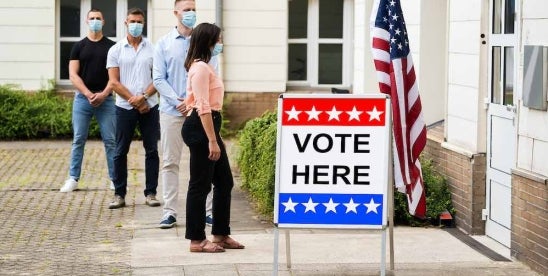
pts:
pixel 82 113
pixel 149 126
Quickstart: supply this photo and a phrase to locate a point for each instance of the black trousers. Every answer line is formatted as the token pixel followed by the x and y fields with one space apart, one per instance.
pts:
pixel 204 173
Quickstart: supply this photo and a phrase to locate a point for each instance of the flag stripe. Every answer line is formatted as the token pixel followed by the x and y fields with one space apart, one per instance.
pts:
pixel 396 77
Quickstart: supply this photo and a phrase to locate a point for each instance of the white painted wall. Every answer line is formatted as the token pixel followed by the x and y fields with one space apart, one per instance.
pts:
pixel 255 46
pixel 27 47
pixel 533 124
pixel 464 95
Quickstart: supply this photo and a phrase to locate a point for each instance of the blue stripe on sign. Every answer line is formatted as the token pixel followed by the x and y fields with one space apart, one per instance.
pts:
pixel 341 209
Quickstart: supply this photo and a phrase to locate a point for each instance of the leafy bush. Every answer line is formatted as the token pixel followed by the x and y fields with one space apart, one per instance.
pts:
pixel 438 198
pixel 257 160
pixel 43 114
pixel 257 164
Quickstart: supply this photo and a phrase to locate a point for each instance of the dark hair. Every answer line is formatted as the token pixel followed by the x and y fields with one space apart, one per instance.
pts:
pixel 95 10
pixel 203 37
pixel 136 11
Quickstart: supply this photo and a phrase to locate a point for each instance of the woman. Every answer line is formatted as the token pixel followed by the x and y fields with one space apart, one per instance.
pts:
pixel 208 157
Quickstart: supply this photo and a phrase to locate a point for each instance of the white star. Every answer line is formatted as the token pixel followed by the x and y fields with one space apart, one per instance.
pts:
pixel 397 31
pixel 390 26
pixel 400 46
pixel 354 114
pixel 395 17
pixel 313 114
pixel 371 206
pixel 392 3
pixel 293 114
pixel 289 205
pixel 333 114
pixel 392 40
pixel 330 206
pixel 351 206
pixel 374 114
pixel 310 205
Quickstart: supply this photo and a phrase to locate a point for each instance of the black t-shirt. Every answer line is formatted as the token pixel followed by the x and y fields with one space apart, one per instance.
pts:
pixel 93 62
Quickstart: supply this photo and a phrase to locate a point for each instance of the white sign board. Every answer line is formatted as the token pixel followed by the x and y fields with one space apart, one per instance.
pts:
pixel 332 161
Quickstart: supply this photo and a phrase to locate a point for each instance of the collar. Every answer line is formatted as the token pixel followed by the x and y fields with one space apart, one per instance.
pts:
pixel 143 42
pixel 174 34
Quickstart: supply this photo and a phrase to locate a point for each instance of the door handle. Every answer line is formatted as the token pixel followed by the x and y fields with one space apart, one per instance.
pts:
pixel 511 108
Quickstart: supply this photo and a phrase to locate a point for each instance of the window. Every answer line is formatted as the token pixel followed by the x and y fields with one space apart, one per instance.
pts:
pixel 319 43
pixel 73 27
pixel 502 42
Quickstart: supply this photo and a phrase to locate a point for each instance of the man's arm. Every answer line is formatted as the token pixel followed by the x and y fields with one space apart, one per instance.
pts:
pixel 159 76
pixel 74 69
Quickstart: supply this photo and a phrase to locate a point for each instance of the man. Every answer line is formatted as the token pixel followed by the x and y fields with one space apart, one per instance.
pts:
pixel 93 97
pixel 170 78
pixel 129 66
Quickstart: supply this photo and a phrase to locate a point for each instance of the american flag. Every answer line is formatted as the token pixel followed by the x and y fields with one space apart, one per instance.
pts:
pixel 396 75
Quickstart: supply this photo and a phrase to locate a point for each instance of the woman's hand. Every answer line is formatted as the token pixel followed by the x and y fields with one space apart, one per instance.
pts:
pixel 214 151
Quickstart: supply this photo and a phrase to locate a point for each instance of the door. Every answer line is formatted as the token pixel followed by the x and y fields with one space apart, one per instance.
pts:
pixel 501 120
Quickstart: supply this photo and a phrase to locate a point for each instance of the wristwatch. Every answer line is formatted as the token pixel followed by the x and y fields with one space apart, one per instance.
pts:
pixel 146 96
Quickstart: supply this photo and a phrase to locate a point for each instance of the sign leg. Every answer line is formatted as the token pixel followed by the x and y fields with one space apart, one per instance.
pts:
pixel 287 249
pixel 275 262
pixel 383 253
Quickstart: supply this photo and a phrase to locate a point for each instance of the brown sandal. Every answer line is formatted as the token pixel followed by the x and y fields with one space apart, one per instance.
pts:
pixel 229 243
pixel 206 247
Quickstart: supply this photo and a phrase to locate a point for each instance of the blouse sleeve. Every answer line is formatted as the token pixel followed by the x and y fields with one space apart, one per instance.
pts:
pixel 199 82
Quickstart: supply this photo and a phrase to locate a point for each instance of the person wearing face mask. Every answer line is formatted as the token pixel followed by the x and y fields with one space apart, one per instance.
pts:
pixel 129 65
pixel 208 157
pixel 170 79
pixel 93 97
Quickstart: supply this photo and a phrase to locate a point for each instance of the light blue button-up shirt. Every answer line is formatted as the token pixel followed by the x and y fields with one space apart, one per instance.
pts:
pixel 169 73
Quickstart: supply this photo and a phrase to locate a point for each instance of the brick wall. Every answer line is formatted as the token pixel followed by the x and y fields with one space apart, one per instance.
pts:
pixel 466 180
pixel 529 242
pixel 240 107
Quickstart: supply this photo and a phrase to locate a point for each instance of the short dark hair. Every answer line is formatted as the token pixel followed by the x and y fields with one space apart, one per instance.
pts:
pixel 94 10
pixel 203 37
pixel 136 11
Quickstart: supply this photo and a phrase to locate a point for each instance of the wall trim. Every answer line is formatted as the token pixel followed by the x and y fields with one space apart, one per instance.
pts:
pixel 530 175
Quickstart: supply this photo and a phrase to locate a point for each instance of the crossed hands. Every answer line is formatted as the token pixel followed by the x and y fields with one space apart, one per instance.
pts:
pixel 182 107
pixel 96 99
pixel 139 102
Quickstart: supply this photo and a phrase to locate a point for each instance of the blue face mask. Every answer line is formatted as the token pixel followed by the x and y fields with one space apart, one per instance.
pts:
pixel 95 25
pixel 135 29
pixel 189 19
pixel 217 49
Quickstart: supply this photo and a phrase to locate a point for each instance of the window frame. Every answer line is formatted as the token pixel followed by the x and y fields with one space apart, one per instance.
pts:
pixel 85 6
pixel 313 44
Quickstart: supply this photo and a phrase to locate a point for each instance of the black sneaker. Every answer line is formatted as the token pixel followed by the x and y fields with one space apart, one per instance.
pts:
pixel 209 220
pixel 169 222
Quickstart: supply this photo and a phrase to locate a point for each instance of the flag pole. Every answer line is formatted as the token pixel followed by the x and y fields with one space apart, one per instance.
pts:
pixel 391 184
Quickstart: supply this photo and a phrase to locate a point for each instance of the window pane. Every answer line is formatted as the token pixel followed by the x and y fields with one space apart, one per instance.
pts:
pixel 108 7
pixel 508 75
pixel 298 18
pixel 496 81
pixel 296 62
pixel 141 4
pixel 331 19
pixel 70 18
pixel 330 64
pixel 64 59
pixel 497 16
pixel 509 14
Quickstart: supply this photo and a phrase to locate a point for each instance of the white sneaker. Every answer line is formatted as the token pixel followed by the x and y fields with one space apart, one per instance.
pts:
pixel 112 185
pixel 69 186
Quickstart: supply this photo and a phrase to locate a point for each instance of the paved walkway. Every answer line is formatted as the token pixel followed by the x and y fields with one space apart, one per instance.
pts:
pixel 44 232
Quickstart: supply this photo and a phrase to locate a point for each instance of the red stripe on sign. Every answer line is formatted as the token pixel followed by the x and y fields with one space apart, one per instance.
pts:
pixel 334 112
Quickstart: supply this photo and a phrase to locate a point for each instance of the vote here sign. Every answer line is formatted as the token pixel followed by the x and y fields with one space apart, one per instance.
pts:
pixel 332 161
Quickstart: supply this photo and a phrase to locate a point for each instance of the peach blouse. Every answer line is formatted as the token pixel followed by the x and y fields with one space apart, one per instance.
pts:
pixel 205 90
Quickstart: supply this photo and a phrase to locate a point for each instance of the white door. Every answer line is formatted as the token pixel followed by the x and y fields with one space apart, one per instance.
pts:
pixel 501 120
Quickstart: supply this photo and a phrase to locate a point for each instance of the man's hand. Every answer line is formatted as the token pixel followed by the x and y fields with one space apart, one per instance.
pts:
pixel 98 98
pixel 143 108
pixel 137 101
pixel 182 107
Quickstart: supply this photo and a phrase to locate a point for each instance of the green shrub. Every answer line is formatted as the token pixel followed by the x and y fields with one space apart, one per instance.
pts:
pixel 438 198
pixel 257 163
pixel 257 160
pixel 26 115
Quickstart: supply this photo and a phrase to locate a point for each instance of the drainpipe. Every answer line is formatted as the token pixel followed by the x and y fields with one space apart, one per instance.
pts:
pixel 219 22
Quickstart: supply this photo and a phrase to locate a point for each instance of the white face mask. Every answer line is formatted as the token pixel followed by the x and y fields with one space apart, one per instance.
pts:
pixel 217 49
pixel 135 29
pixel 189 19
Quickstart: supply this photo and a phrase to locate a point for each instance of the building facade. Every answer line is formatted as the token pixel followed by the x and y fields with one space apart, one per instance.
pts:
pixel 476 63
